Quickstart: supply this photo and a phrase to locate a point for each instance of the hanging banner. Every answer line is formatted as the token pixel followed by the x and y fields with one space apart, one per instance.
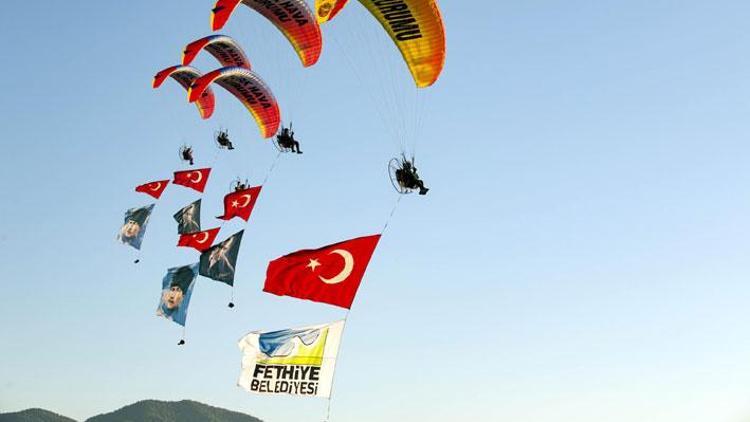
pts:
pixel 298 362
pixel 189 218
pixel 176 289
pixel 220 260
pixel 134 226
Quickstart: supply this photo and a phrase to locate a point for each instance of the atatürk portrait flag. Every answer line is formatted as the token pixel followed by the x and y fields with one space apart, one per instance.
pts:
pixel 154 189
pixel 193 179
pixel 240 203
pixel 134 226
pixel 219 262
pixel 177 287
pixel 330 274
pixel 189 218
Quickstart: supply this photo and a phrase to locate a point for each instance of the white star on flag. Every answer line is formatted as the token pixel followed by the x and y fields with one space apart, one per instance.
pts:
pixel 313 264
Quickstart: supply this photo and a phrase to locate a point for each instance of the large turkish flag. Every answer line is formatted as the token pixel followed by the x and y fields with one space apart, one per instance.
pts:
pixel 330 274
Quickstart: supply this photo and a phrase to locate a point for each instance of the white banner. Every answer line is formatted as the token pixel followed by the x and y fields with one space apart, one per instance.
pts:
pixel 297 361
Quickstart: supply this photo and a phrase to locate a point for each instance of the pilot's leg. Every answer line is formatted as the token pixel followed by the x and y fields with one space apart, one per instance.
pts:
pixel 422 190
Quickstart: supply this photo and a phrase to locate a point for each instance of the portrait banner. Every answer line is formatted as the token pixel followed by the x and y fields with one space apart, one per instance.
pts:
pixel 134 226
pixel 176 289
pixel 189 218
pixel 298 362
pixel 219 262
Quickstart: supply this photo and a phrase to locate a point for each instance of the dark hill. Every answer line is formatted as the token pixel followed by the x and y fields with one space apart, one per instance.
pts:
pixel 33 415
pixel 181 411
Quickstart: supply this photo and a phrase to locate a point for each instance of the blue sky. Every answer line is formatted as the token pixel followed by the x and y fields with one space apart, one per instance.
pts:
pixel 580 257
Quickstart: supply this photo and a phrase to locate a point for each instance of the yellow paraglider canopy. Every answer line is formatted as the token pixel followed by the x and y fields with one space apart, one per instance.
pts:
pixel 416 27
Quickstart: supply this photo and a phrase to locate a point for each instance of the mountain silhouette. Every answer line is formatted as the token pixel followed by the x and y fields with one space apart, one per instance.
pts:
pixel 33 415
pixel 142 411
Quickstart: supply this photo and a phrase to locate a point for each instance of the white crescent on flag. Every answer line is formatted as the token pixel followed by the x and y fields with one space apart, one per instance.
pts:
pixel 345 272
pixel 248 198
pixel 198 180
pixel 204 237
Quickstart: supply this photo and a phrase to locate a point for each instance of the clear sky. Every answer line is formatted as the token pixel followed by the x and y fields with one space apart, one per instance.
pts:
pixel 582 255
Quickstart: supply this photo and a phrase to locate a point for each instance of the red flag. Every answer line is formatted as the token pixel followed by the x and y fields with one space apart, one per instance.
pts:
pixel 330 274
pixel 240 203
pixel 199 240
pixel 154 189
pixel 193 179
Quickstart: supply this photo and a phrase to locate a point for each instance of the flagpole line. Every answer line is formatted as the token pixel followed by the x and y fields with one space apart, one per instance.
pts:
pixel 156 205
pixel 333 379
pixel 270 170
pixel 216 157
pixel 390 216
pixel 328 411
pixel 244 227
pixel 346 317
pixel 231 297
pixel 139 253
pixel 214 160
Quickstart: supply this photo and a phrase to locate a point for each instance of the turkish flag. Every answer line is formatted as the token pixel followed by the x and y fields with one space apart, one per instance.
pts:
pixel 330 274
pixel 193 179
pixel 154 189
pixel 199 240
pixel 240 203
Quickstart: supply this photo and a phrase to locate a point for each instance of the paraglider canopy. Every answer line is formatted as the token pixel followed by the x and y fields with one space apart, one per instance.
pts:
pixel 226 50
pixel 292 17
pixel 249 89
pixel 185 76
pixel 415 26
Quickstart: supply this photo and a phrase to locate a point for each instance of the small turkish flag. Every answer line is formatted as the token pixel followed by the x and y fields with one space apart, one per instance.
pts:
pixel 199 240
pixel 330 274
pixel 193 179
pixel 154 189
pixel 240 203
